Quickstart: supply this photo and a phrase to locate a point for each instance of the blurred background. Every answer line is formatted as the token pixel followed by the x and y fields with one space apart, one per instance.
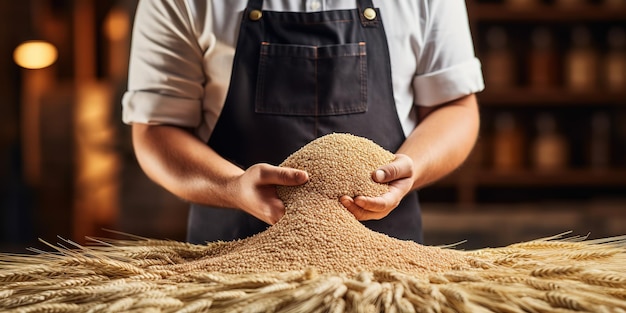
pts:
pixel 551 156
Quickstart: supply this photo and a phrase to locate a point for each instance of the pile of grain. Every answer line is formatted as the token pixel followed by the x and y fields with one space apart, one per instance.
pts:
pixel 357 270
pixel 317 231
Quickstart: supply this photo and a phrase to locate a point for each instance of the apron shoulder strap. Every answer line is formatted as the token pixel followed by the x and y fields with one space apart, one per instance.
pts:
pixel 255 5
pixel 365 4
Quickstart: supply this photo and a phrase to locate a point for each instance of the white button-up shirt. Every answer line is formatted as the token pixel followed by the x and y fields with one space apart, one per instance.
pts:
pixel 182 53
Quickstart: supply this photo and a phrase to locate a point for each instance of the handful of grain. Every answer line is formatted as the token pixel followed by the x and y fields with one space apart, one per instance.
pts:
pixel 318 232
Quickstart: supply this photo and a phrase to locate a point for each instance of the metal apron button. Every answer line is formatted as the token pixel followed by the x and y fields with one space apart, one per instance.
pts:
pixel 369 14
pixel 255 15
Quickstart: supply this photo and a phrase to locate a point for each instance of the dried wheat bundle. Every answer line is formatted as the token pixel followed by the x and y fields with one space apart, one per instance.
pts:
pixel 318 258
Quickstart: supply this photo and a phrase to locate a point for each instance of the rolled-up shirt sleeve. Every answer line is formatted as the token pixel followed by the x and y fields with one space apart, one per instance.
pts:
pixel 447 67
pixel 166 77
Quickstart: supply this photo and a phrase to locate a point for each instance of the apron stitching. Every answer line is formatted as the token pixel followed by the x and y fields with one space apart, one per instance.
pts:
pixel 260 94
pixel 312 23
pixel 316 93
pixel 362 74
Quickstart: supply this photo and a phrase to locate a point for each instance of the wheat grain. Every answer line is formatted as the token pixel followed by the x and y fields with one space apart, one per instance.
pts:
pixel 550 271
pixel 563 300
pixel 602 278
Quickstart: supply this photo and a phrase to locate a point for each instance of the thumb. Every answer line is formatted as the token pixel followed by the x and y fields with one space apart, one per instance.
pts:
pixel 379 176
pixel 284 176
pixel 385 174
pixel 399 168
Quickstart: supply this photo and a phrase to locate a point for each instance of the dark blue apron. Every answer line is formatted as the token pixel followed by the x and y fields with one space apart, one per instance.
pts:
pixel 298 76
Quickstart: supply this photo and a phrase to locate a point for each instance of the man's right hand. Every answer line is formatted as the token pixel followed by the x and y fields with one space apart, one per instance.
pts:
pixel 180 162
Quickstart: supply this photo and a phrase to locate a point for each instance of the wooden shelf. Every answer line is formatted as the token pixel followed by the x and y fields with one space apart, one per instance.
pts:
pixel 529 96
pixel 544 13
pixel 476 186
pixel 530 178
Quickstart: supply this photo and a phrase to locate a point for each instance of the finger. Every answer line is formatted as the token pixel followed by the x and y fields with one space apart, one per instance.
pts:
pixel 359 213
pixel 373 204
pixel 364 215
pixel 283 176
pixel 276 213
pixel 273 217
pixel 384 203
pixel 269 208
pixel 347 202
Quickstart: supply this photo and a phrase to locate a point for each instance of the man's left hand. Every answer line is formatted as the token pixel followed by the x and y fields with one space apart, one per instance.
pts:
pixel 399 174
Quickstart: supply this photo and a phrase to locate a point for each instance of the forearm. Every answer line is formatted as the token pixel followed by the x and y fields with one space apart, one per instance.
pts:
pixel 181 163
pixel 443 139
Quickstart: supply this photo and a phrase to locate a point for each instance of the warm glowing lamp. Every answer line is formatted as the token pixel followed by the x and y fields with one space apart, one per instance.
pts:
pixel 35 54
pixel 116 25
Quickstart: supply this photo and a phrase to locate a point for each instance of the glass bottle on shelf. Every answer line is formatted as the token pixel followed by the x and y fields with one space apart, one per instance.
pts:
pixel 542 60
pixel 549 149
pixel 499 63
pixel 581 62
pixel 508 144
pixel 615 60
pixel 600 141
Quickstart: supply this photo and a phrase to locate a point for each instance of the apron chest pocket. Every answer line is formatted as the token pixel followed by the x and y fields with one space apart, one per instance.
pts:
pixel 312 80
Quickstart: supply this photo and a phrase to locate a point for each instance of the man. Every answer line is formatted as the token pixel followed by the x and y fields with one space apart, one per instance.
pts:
pixel 222 91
